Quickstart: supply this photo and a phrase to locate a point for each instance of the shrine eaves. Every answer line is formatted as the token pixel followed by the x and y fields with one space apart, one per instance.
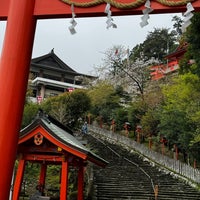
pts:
pixel 47 9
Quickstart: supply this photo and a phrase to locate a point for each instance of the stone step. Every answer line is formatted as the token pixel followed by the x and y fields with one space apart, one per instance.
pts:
pixel 122 180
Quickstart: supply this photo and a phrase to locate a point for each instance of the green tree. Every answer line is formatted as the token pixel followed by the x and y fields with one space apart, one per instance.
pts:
pixel 135 53
pixel 177 25
pixel 30 111
pixel 135 112
pixel 192 37
pixel 121 116
pixel 179 114
pixel 104 100
pixel 68 107
pixel 145 111
pixel 153 100
pixel 79 104
pixel 158 44
pixel 149 122
pixel 57 107
pixel 30 108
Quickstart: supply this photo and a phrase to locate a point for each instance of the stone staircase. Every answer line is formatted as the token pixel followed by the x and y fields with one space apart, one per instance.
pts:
pixel 127 176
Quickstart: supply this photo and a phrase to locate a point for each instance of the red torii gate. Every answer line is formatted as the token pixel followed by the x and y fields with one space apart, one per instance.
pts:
pixel 21 16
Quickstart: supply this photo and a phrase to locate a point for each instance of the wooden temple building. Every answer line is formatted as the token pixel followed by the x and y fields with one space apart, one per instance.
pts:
pixel 50 76
pixel 47 142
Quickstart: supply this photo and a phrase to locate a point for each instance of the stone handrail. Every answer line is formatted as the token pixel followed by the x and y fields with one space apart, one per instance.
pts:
pixel 175 167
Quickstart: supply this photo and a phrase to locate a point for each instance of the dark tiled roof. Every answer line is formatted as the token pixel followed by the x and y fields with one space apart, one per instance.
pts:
pixel 62 134
pixel 52 62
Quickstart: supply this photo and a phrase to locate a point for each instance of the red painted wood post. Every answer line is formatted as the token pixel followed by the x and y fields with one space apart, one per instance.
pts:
pixel 150 142
pixel 64 181
pixel 80 182
pixel 14 71
pixel 18 179
pixel 195 163
pixel 43 171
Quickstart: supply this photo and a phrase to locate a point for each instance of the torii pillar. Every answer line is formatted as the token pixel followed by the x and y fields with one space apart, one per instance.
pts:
pixel 14 71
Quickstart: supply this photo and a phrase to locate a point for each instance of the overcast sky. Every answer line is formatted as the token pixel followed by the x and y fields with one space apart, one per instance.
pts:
pixel 85 49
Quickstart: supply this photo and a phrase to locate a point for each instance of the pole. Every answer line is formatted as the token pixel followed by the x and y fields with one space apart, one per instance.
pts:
pixel 18 179
pixel 14 70
pixel 80 182
pixel 64 180
pixel 43 172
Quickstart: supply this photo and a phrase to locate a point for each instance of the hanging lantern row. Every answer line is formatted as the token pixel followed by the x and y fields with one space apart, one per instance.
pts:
pixel 110 24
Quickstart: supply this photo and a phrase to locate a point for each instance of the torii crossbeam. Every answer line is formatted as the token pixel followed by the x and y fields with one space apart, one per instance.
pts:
pixel 46 9
pixel 21 16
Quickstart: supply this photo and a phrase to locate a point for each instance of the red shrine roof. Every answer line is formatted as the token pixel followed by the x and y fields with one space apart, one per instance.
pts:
pixel 179 52
pixel 54 139
pixel 161 70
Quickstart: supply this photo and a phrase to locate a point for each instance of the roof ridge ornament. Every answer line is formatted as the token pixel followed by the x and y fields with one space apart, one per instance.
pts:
pixel 41 114
pixel 52 50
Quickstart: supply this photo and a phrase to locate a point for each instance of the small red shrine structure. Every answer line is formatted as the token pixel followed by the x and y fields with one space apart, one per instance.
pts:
pixel 47 142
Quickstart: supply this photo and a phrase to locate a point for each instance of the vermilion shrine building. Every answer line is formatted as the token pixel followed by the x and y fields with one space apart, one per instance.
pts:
pixel 22 16
pixel 47 142
pixel 162 70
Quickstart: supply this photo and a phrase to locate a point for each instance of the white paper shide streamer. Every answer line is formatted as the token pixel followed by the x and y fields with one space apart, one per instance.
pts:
pixel 146 12
pixel 109 20
pixel 187 17
pixel 72 21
